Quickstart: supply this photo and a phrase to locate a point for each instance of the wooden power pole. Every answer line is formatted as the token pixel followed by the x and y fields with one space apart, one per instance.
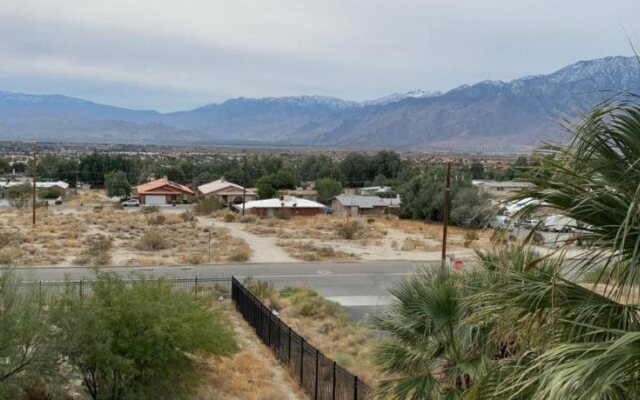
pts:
pixel 34 176
pixel 244 181
pixel 447 191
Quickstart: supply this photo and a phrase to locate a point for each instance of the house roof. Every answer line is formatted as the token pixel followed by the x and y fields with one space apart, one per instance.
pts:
pixel 44 185
pixel 366 201
pixel 159 183
pixel 377 189
pixel 291 202
pixel 220 185
pixel 503 184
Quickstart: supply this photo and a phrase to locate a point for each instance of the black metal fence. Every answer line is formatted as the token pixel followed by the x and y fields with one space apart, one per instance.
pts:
pixel 317 374
pixel 46 292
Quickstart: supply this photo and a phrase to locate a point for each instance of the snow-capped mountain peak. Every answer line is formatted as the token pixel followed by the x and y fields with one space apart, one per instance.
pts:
pixel 392 98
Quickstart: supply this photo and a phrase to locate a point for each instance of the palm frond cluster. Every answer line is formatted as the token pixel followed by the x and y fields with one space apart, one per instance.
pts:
pixel 521 325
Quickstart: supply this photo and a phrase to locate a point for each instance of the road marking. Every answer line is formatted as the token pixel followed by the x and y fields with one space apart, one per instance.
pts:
pixel 360 301
pixel 315 276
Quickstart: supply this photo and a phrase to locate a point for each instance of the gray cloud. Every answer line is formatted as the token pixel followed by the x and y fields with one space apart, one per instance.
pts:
pixel 172 55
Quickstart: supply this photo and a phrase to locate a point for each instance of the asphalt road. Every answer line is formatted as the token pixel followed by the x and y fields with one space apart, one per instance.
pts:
pixel 361 287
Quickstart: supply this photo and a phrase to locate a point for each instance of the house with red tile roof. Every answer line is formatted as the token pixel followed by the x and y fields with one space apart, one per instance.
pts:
pixel 163 191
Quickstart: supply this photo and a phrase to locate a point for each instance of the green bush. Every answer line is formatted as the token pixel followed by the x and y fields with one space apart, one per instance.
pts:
pixel 137 341
pixel 207 205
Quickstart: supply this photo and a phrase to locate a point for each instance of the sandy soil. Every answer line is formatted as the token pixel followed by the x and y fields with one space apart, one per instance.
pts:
pixel 263 248
pixel 381 239
pixel 251 374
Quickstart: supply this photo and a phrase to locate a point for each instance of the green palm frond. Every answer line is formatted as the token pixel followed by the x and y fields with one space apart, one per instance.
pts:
pixel 595 179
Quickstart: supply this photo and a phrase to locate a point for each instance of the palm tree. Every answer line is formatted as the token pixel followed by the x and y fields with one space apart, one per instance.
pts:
pixel 522 329
pixel 429 351
pixel 584 341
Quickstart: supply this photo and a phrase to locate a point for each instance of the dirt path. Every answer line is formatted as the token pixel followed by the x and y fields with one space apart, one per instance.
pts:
pixel 253 373
pixel 264 248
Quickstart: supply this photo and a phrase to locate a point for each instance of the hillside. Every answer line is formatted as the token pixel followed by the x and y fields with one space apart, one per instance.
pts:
pixel 483 116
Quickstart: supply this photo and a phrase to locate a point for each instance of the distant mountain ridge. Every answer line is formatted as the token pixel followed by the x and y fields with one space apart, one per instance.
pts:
pixel 484 115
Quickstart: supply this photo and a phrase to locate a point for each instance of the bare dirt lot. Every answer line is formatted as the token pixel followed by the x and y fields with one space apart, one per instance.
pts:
pixel 335 238
pixel 110 236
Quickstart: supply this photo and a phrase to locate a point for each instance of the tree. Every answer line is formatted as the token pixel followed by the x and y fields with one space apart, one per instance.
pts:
pixel 577 342
pixel 4 165
pixel 131 341
pixel 27 343
pixel 428 351
pixel 117 184
pixel 471 208
pixel 327 189
pixel 269 184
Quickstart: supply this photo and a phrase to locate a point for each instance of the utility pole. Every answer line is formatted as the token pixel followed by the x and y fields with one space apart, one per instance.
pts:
pixel 244 181
pixel 77 176
pixel 33 176
pixel 447 192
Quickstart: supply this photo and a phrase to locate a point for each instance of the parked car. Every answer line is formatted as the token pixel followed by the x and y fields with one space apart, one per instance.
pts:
pixel 131 203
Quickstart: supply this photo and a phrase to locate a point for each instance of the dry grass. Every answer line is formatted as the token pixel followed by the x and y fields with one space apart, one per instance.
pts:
pixel 457 236
pixel 326 326
pixel 411 244
pixel 88 197
pixel 253 373
pixel 308 251
pixel 319 227
pixel 62 238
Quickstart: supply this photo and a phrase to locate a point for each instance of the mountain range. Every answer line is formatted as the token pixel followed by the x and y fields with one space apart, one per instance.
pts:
pixel 486 116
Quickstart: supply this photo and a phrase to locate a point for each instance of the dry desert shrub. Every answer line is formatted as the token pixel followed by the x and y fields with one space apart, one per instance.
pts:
pixel 412 244
pixel 157 219
pixel 152 240
pixel 348 229
pixel 150 209
pixel 97 251
pixel 207 206
pixel 308 251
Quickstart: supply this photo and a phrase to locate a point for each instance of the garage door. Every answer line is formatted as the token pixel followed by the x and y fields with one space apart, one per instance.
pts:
pixel 155 199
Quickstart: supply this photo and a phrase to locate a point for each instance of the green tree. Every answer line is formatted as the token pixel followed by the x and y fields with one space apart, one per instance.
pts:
pixel 327 189
pixel 136 341
pixel 117 184
pixel 28 345
pixel 428 350
pixel 269 184
pixel 4 165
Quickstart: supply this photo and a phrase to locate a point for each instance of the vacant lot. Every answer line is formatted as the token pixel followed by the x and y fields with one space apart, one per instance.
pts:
pixel 110 236
pixel 331 238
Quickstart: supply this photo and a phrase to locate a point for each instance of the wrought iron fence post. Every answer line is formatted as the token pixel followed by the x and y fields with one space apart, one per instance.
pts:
pixel 333 382
pixel 301 359
pixel 355 388
pixel 315 389
pixel 289 346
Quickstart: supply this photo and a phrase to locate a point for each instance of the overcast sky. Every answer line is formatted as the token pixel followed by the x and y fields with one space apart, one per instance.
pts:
pixel 172 55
